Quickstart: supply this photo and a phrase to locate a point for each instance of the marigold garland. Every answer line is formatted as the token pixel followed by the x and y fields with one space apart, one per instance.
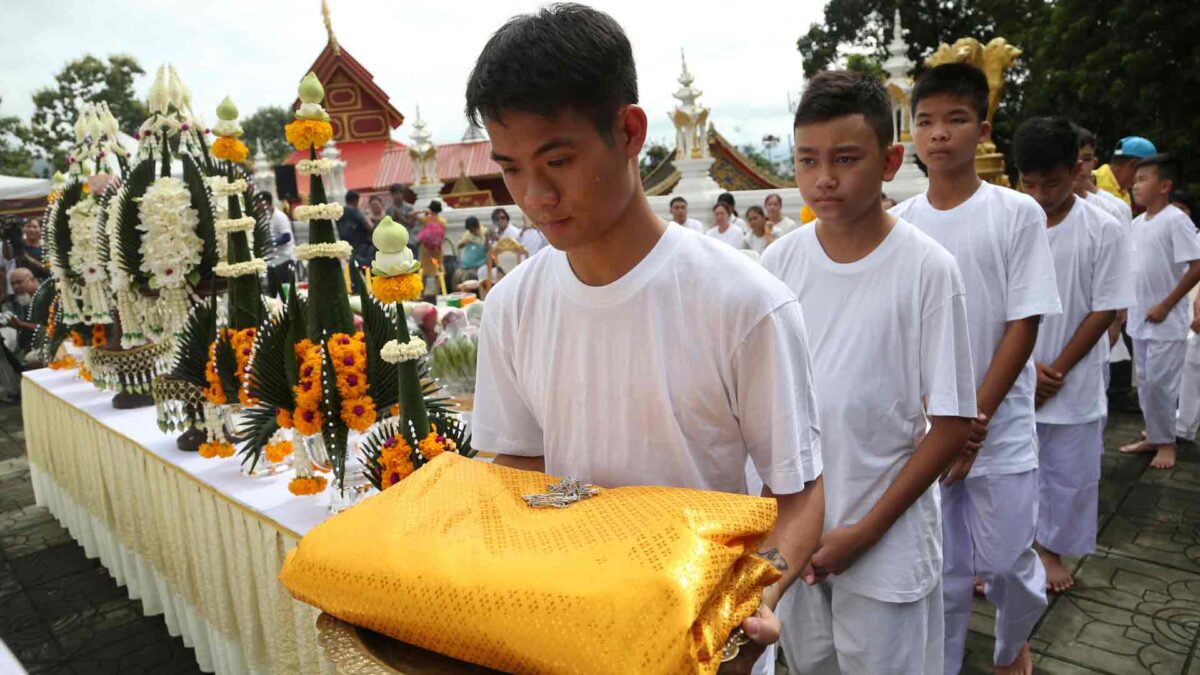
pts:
pixel 306 134
pixel 64 363
pixel 99 336
pixel 301 486
pixel 76 338
pixel 230 148
pixel 277 452
pixel 243 347
pixel 85 374
pixel 216 449
pixel 400 288
pixel 395 461
pixel 214 392
pixel 349 356
pixel 283 418
pixel 435 444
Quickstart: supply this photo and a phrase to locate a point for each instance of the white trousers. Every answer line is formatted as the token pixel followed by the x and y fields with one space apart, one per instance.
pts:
pixel 830 631
pixel 988 523
pixel 1188 422
pixel 1069 486
pixel 1159 365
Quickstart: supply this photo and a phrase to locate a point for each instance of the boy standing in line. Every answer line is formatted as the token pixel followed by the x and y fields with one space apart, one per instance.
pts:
pixel 1166 266
pixel 872 284
pixel 1093 264
pixel 998 237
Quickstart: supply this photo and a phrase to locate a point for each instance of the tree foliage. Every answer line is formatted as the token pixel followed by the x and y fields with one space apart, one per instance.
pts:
pixel 864 63
pixel 15 154
pixel 83 80
pixel 652 155
pixel 264 129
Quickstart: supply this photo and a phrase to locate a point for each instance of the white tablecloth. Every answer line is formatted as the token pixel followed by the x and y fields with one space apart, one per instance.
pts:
pixel 193 538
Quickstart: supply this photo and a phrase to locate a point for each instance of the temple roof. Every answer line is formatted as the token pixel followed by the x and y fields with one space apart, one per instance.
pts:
pixel 358 109
pixel 475 156
pixel 731 170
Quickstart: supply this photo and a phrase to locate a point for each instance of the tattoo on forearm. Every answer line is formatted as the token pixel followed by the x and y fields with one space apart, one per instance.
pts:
pixel 776 559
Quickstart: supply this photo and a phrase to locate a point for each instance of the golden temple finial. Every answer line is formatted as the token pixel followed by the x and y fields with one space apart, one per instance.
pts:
pixel 329 27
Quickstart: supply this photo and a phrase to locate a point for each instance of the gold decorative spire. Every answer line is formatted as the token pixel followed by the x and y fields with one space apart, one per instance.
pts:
pixel 329 27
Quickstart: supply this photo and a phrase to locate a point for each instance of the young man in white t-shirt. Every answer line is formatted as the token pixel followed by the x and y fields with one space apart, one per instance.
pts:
pixel 998 237
pixel 872 285
pixel 679 215
pixel 1094 267
pixel 622 355
pixel 1166 266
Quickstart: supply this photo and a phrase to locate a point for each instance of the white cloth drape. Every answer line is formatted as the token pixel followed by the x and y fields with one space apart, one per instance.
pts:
pixel 193 539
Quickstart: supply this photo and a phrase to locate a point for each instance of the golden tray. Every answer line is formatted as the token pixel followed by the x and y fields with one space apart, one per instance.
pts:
pixel 357 651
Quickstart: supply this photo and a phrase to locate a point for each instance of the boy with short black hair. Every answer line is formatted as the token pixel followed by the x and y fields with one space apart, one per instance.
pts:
pixel 1093 265
pixel 621 354
pixel 1085 184
pixel 872 284
pixel 679 214
pixel 1166 266
pixel 998 237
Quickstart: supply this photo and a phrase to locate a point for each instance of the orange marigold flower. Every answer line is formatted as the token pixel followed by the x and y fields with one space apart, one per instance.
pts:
pixel 400 288
pixel 306 134
pixel 277 452
pixel 358 413
pixel 228 148
pixel 283 418
pixel 396 470
pixel 215 392
pixel 85 374
pixel 434 444
pixel 76 338
pixel 307 421
pixel 352 384
pixel 301 486
pixel 64 363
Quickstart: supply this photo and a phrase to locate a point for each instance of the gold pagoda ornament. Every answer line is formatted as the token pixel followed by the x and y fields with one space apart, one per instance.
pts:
pixel 993 59
pixel 689 117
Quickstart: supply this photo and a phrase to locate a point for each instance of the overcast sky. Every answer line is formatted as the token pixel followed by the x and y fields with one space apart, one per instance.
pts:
pixel 742 54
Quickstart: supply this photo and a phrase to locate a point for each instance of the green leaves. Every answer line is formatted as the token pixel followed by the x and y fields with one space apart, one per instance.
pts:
pixel 192 356
pixel 60 230
pixel 129 239
pixel 379 326
pixel 269 381
pixel 257 427
pixel 206 228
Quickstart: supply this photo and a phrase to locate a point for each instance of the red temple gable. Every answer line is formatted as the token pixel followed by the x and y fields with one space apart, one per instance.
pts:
pixel 358 109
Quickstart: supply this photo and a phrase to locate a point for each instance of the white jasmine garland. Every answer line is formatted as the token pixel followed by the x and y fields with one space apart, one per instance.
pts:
pixel 396 352
pixel 227 225
pixel 338 249
pixel 319 212
pixel 241 269
pixel 223 187
pixel 170 247
pixel 314 167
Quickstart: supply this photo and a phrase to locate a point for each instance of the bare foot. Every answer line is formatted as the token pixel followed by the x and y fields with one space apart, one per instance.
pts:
pixel 1058 577
pixel 1022 665
pixel 1139 447
pixel 1164 458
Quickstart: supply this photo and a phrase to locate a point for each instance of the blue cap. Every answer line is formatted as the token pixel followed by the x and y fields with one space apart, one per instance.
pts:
pixel 1134 146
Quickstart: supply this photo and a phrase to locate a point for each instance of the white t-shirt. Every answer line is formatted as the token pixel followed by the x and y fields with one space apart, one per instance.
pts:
pixel 733 235
pixel 758 244
pixel 1114 206
pixel 511 232
pixel 690 223
pixel 282 253
pixel 1094 266
pixel 532 239
pixel 668 376
pixel 998 238
pixel 785 225
pixel 1162 248
pixel 885 332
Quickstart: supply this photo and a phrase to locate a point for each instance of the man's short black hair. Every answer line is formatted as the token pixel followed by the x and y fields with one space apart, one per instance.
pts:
pixel 397 187
pixel 1086 137
pixel 1166 166
pixel 1044 143
pixel 435 206
pixel 352 197
pixel 839 93
pixel 677 199
pixel 266 198
pixel 563 57
pixel 954 79
pixel 472 223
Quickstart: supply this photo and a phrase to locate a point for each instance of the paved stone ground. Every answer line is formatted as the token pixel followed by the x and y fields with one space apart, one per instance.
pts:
pixel 59 611
pixel 1135 607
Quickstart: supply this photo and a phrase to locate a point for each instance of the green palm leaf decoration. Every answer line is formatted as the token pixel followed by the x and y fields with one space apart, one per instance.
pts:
pixel 129 256
pixel 194 179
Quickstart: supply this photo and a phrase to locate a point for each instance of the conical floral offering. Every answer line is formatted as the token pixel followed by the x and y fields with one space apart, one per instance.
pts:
pixel 228 145
pixel 395 276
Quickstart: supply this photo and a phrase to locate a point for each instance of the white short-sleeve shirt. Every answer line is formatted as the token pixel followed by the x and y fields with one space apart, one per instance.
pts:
pixel 670 375
pixel 998 238
pixel 886 332
pixel 532 239
pixel 1163 245
pixel 1114 206
pixel 733 235
pixel 1093 265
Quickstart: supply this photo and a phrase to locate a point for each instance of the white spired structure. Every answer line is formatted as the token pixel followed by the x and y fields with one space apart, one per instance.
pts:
pixel 909 180
pixel 335 185
pixel 426 183
pixel 692 158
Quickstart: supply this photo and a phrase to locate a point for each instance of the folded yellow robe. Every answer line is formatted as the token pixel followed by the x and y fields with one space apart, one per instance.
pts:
pixel 633 580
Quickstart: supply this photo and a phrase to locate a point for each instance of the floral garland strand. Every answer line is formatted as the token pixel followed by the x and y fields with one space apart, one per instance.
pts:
pixel 248 268
pixel 314 167
pixel 306 419
pixel 349 356
pixel 337 249
pixel 170 249
pixel 319 212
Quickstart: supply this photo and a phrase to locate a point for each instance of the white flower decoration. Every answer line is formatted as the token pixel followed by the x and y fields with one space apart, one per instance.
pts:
pixel 241 269
pixel 170 247
pixel 319 212
pixel 396 352
pixel 338 249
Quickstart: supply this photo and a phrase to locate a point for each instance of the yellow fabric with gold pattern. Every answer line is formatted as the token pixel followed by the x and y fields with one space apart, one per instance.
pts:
pixel 633 580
